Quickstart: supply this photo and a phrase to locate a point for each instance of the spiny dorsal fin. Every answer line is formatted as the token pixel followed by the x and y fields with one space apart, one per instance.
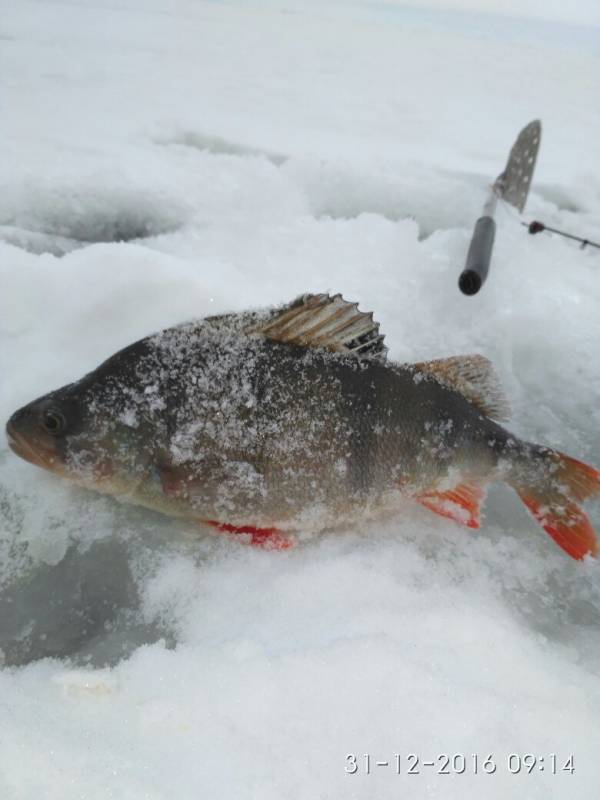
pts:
pixel 330 322
pixel 474 377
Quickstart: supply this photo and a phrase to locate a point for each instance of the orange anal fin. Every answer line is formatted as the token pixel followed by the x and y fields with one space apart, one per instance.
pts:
pixel 267 538
pixel 461 504
pixel 566 524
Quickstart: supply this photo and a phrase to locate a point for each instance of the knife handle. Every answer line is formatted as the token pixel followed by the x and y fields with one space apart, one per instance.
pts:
pixel 479 256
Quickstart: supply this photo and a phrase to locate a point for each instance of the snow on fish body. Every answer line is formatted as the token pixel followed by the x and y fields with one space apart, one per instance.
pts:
pixel 265 422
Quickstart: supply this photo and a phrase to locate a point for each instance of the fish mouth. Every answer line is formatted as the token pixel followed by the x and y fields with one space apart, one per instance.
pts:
pixel 40 456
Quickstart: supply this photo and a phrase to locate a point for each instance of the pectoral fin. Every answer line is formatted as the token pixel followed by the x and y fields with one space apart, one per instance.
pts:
pixel 178 482
pixel 175 482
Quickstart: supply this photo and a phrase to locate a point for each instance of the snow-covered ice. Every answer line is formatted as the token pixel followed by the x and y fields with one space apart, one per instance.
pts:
pixel 162 161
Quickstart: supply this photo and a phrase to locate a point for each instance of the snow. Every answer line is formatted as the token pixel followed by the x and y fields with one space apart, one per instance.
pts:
pixel 166 161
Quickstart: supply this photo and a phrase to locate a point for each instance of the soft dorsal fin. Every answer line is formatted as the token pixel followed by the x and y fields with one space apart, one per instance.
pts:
pixel 474 377
pixel 330 322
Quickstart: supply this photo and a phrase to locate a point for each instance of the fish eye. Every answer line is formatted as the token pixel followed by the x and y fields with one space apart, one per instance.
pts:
pixel 53 422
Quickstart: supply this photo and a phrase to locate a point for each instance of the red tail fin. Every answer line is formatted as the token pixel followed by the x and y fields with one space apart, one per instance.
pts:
pixel 551 502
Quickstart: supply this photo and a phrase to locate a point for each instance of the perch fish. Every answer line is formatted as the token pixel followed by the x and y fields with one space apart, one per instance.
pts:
pixel 269 422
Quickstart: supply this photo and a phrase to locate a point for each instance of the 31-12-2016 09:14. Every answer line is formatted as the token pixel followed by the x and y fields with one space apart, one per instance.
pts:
pixel 460 763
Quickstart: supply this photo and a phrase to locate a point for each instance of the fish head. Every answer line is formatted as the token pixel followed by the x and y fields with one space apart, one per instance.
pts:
pixel 40 432
pixel 90 432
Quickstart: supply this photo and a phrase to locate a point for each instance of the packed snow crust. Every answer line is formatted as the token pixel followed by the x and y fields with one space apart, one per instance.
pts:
pixel 161 162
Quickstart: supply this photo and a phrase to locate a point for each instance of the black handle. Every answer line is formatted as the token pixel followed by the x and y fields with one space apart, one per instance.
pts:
pixel 476 269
